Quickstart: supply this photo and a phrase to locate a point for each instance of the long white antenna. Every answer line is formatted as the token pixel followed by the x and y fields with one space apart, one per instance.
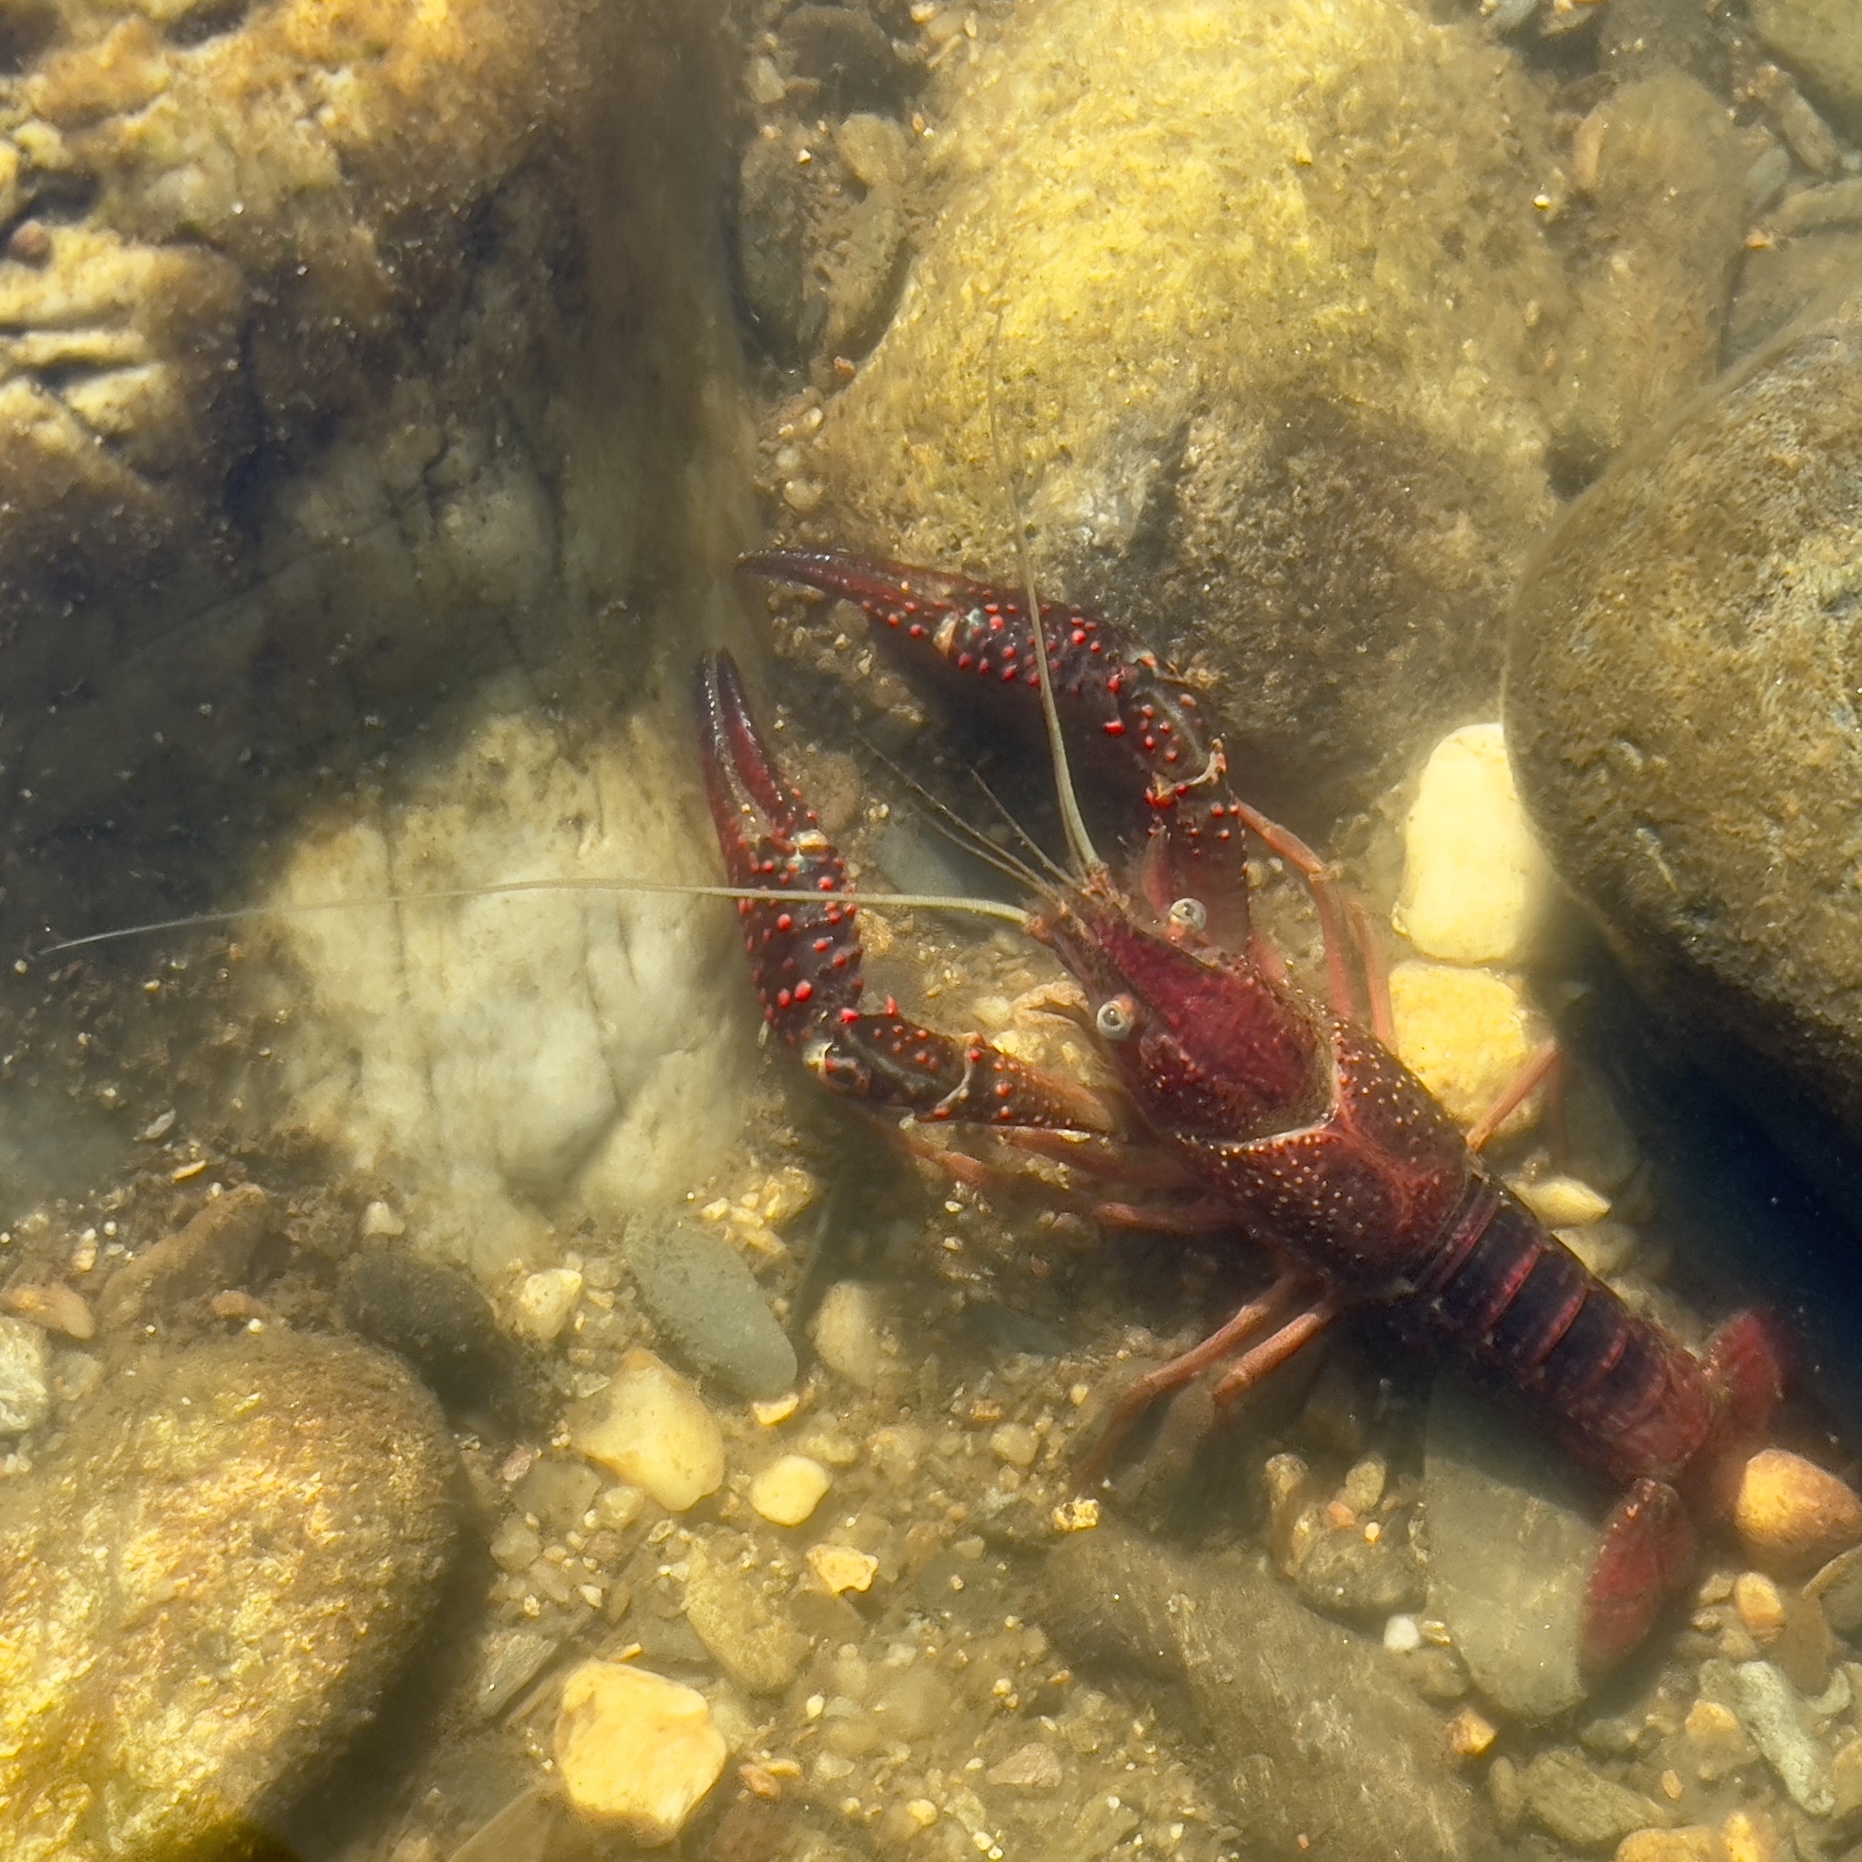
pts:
pixel 901 901
pixel 1073 823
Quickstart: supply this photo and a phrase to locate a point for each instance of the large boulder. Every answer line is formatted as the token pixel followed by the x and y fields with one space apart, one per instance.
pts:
pixel 1682 710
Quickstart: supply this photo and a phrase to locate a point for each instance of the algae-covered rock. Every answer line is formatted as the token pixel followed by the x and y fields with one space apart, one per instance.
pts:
pixel 205 1589
pixel 1681 712
pixel 1261 303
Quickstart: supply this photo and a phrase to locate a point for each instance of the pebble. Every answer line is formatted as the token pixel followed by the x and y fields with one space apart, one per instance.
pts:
pixel 652 1428
pixel 1760 1606
pixel 705 1300
pixel 1465 1034
pixel 850 1334
pixel 841 1568
pixel 1033 1767
pixel 435 1317
pixel 55 1306
pixel 1846 1778
pixel 1838 1588
pixel 1790 1512
pixel 1015 1443
pixel 1580 1806
pixel 1476 888
pixel 875 150
pixel 789 1489
pixel 207 1255
pixel 1696 1842
pixel 1770 1710
pixel 1562 1202
pixel 25 1376
pixel 545 1301
pixel 740 1618
pixel 634 1750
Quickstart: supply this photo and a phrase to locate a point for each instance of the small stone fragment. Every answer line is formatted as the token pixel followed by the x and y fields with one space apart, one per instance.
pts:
pixel 1465 1034
pixel 1563 1202
pixel 739 1619
pixel 706 1301
pixel 210 1253
pixel 1470 1734
pixel 841 1568
pixel 1580 1806
pixel 652 1428
pixel 789 1489
pixel 1820 40
pixel 1760 1607
pixel 1748 1836
pixel 1476 888
pixel 1696 1842
pixel 25 1376
pixel 1015 1443
pixel 635 1750
pixel 1717 1743
pixel 55 1306
pixel 1838 1588
pixel 1770 1710
pixel 1790 1512
pixel 850 1334
pixel 1033 1767
pixel 512 1659
pixel 875 150
pixel 1846 1778
pixel 545 1301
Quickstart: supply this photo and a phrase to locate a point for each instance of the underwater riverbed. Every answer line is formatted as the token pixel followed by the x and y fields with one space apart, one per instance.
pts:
pixel 466 1393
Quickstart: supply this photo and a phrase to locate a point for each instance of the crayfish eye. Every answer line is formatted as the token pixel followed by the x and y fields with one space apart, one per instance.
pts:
pixel 1117 1017
pixel 1188 915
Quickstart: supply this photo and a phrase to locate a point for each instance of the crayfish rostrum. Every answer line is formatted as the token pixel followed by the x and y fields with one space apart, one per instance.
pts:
pixel 1246 1108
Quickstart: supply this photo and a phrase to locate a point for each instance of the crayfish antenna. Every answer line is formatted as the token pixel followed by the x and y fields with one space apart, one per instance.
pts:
pixel 1079 843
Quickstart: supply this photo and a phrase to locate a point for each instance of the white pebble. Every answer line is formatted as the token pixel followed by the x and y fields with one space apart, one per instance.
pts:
pixel 1401 1634
pixel 789 1489
pixel 652 1428
pixel 545 1301
pixel 850 1334
pixel 1015 1443
pixel 1476 888
pixel 25 1376
pixel 635 1750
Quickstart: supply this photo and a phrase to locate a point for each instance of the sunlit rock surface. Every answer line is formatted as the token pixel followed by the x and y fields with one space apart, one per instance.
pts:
pixel 371 441
pixel 1258 298
pixel 1681 711
pixel 205 1589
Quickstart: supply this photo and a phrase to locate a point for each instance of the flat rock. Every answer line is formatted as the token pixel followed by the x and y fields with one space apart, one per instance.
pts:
pixel 1681 712
pixel 1319 1742
pixel 705 1299
pixel 1511 1542
pixel 205 1590
pixel 1822 41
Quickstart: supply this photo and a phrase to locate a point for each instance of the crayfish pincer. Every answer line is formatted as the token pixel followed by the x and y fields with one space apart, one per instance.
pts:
pixel 1248 1109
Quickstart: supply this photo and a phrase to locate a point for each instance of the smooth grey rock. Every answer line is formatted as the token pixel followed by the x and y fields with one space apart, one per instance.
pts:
pixel 707 1302
pixel 1319 1743
pixel 1511 1542
pixel 1682 715
pixel 1821 40
pixel 1583 1807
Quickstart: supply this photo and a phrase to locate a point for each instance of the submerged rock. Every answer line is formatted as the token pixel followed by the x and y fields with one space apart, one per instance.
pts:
pixel 205 1590
pixel 1682 714
pixel 1511 1543
pixel 1275 398
pixel 635 1751
pixel 1315 1736
pixel 707 1302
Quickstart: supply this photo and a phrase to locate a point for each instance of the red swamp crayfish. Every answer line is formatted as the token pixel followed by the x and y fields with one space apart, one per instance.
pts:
pixel 1247 1108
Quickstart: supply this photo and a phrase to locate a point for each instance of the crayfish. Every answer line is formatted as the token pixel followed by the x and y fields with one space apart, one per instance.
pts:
pixel 1247 1108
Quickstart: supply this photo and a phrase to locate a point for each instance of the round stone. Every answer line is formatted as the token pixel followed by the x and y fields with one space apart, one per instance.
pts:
pixel 789 1489
pixel 205 1590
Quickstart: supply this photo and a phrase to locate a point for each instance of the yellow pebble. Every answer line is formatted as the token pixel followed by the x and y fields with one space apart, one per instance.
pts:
pixel 1791 1512
pixel 1469 1734
pixel 789 1489
pixel 1693 1843
pixel 842 1568
pixel 1760 1607
pixel 1748 1836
